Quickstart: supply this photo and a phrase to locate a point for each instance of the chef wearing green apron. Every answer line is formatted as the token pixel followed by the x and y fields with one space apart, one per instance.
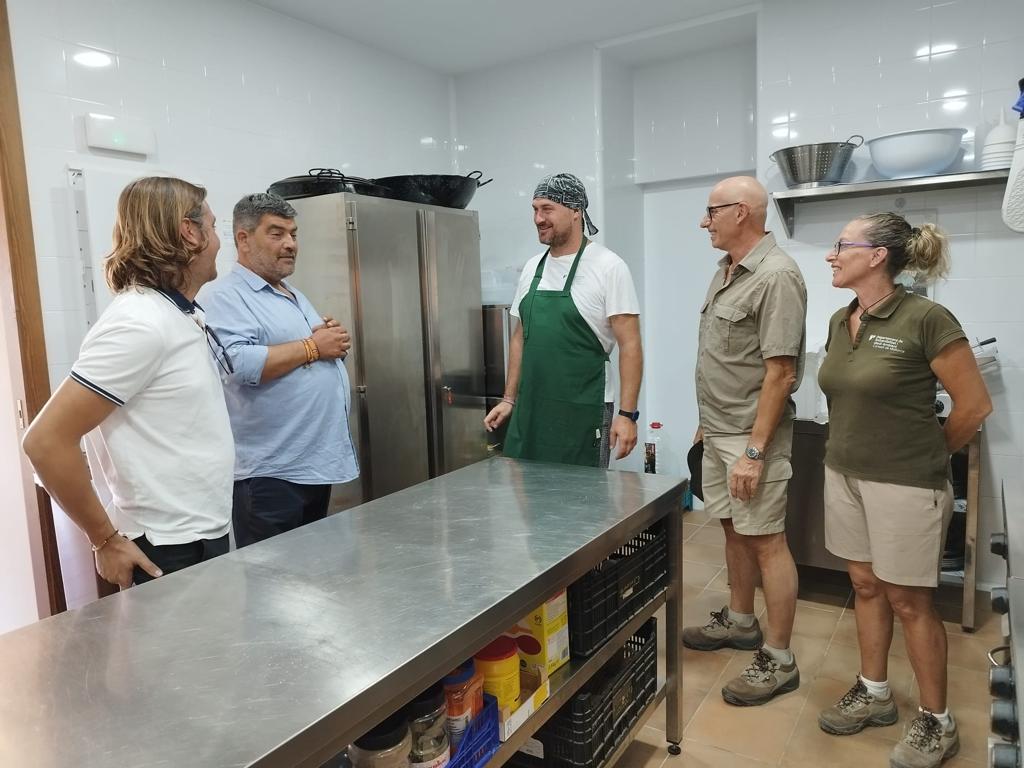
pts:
pixel 558 361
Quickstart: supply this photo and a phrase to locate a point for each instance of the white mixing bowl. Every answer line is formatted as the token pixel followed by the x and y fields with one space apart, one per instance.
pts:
pixel 915 153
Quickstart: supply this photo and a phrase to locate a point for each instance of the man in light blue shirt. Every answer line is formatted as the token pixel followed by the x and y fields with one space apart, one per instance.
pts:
pixel 288 396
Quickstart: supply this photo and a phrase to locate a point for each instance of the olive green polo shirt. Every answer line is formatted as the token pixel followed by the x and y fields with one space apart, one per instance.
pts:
pixel 881 392
pixel 759 313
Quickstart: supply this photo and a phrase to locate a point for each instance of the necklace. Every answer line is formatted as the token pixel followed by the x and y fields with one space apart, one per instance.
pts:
pixel 864 310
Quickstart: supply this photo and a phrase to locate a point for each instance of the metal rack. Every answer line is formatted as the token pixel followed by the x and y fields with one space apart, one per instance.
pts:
pixel 786 202
pixel 284 652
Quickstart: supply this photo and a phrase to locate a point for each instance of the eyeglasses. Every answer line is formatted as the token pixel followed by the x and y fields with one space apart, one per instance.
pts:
pixel 712 208
pixel 216 348
pixel 219 353
pixel 838 245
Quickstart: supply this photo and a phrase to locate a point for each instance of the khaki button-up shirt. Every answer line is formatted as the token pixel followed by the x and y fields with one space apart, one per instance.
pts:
pixel 759 313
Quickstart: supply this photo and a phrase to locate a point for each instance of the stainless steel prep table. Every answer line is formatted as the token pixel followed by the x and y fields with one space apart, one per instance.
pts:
pixel 282 653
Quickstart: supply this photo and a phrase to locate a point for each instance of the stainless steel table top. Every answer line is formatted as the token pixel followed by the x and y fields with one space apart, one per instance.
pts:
pixel 283 652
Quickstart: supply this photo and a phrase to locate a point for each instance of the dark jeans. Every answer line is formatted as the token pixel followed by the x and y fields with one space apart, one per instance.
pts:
pixel 265 506
pixel 173 557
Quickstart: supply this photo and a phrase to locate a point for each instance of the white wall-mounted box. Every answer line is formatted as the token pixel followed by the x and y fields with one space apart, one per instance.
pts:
pixel 120 134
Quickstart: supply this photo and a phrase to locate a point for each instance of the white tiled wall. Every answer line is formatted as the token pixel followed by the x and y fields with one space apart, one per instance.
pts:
pixel 239 97
pixel 695 115
pixel 518 123
pixel 866 76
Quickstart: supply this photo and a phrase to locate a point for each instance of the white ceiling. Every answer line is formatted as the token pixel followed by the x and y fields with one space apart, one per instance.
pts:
pixel 454 36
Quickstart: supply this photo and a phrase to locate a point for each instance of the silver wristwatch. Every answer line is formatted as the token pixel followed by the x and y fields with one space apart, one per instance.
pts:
pixel 754 454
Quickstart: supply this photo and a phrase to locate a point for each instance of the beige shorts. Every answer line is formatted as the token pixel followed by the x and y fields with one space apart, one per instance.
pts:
pixel 766 512
pixel 899 529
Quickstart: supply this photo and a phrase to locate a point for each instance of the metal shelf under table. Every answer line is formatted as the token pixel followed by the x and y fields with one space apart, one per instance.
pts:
pixel 284 652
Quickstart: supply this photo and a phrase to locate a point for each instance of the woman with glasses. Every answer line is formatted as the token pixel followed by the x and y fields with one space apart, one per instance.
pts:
pixel 888 498
pixel 146 394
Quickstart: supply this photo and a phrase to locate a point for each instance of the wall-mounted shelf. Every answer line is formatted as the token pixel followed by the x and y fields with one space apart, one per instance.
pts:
pixel 786 201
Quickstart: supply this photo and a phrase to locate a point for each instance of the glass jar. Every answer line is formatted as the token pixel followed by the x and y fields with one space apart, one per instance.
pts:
pixel 385 746
pixel 427 721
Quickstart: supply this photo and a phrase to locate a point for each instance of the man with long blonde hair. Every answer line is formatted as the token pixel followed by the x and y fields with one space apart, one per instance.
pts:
pixel 146 394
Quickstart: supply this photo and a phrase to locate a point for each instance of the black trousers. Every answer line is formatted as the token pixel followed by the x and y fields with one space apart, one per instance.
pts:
pixel 266 506
pixel 173 557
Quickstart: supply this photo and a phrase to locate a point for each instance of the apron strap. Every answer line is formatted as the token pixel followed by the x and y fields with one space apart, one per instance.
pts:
pixel 539 273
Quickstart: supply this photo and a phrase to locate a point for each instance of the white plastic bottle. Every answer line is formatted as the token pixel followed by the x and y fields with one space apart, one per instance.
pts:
pixel 651 448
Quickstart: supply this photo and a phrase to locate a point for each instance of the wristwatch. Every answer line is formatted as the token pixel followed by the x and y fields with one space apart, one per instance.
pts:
pixel 631 415
pixel 754 453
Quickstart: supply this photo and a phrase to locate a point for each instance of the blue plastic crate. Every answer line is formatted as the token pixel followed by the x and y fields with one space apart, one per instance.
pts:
pixel 480 741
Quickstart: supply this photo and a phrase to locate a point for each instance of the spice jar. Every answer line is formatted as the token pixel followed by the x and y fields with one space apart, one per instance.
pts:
pixel 427 721
pixel 385 746
pixel 499 663
pixel 464 700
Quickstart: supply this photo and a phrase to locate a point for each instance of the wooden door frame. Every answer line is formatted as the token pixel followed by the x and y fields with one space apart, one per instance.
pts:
pixel 18 255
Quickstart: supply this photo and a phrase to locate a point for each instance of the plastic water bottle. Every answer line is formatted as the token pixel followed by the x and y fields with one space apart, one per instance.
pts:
pixel 651 448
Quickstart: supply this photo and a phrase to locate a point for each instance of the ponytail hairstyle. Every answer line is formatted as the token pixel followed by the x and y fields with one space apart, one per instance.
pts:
pixel 923 250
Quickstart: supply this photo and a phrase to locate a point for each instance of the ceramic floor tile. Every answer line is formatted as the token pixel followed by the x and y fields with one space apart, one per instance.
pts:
pixel 809 744
pixel 711 533
pixel 700 574
pixel 689 530
pixel 697 755
pixel 760 732
pixel 698 552
pixel 702 669
pixel 646 751
pixel 696 516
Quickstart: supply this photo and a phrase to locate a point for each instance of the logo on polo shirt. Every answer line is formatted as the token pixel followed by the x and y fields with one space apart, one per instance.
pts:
pixel 886 343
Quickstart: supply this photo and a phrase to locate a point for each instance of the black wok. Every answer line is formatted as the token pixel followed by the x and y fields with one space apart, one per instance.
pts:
pixel 435 189
pixel 326 181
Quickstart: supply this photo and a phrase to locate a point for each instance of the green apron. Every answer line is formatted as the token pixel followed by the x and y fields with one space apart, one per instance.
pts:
pixel 560 408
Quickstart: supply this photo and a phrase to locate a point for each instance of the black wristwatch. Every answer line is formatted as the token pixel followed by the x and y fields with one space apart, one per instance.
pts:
pixel 631 415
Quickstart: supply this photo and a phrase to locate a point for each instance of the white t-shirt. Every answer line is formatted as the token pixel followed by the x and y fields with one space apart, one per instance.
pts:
pixel 166 453
pixel 603 287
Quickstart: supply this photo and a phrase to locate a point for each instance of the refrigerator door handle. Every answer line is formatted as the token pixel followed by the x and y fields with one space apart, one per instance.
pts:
pixel 427 245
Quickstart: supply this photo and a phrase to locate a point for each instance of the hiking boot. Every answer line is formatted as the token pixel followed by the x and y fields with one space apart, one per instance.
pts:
pixel 763 679
pixel 925 744
pixel 856 710
pixel 722 632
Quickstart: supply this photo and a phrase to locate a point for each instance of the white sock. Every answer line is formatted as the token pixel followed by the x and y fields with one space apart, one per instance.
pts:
pixel 741 620
pixel 878 690
pixel 781 655
pixel 945 719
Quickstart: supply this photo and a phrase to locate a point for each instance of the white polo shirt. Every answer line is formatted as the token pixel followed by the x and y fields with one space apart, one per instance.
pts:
pixel 602 288
pixel 166 453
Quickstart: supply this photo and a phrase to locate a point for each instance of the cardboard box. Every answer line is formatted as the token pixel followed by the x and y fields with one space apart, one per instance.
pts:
pixel 543 635
pixel 534 689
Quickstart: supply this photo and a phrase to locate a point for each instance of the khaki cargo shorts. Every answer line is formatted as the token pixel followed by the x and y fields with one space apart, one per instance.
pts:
pixel 766 512
pixel 899 529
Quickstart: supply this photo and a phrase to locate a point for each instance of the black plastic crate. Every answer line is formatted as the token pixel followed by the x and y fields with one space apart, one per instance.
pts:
pixel 584 732
pixel 607 597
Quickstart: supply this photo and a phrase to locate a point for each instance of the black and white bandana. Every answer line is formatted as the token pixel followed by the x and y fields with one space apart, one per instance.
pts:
pixel 566 189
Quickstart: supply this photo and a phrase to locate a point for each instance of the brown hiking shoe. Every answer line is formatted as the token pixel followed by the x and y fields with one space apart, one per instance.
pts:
pixel 856 710
pixel 925 744
pixel 722 632
pixel 763 679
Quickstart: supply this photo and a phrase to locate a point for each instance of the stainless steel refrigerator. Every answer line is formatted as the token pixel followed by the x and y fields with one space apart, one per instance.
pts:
pixel 404 279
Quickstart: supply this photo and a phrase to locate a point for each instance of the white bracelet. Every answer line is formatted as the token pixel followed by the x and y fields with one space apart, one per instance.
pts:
pixel 508 400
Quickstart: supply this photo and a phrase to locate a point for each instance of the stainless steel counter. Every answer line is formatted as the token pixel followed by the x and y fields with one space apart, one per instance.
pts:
pixel 282 653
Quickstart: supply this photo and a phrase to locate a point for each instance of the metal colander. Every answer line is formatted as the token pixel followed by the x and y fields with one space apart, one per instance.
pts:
pixel 815 165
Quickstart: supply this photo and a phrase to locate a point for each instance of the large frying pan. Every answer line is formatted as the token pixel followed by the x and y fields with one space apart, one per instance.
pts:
pixel 326 181
pixel 435 189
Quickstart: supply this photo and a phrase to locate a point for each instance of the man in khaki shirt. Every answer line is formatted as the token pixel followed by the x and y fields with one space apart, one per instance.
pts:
pixel 749 361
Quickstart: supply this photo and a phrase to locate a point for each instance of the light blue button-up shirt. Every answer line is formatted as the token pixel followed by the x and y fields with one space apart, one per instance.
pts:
pixel 294 427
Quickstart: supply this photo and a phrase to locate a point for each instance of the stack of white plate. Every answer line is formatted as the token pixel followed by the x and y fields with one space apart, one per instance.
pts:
pixel 997 151
pixel 997 155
